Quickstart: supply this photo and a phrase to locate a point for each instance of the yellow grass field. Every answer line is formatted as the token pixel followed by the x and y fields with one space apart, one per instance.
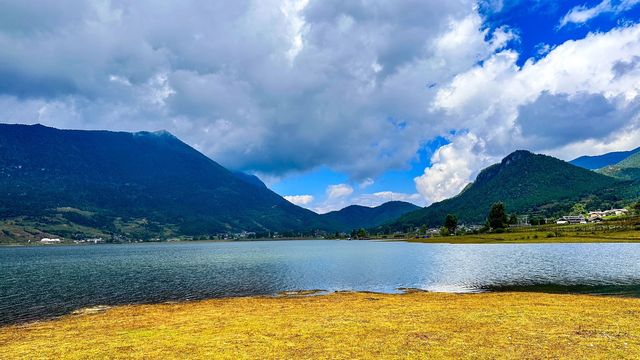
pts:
pixel 343 326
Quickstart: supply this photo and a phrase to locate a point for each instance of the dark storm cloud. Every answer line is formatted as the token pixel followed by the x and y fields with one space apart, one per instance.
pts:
pixel 280 86
pixel 248 82
pixel 557 119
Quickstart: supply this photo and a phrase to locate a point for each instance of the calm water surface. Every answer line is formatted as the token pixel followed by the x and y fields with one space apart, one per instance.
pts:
pixel 41 282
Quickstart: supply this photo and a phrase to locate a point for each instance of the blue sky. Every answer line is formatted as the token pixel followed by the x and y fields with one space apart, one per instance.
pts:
pixel 537 22
pixel 399 180
pixel 335 102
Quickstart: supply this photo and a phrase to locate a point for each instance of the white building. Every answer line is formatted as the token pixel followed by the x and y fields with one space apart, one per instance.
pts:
pixel 598 215
pixel 50 241
pixel 617 212
pixel 571 220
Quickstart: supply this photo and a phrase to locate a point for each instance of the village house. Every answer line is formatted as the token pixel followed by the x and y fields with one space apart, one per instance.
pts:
pixel 571 219
pixel 50 241
pixel 595 216
pixel 617 212
pixel 90 241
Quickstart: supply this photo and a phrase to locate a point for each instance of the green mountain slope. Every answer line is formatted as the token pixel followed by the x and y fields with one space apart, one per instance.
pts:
pixel 627 169
pixel 152 179
pixel 356 216
pixel 527 184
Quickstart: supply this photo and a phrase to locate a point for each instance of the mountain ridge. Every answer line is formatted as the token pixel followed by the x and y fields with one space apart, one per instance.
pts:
pixel 526 183
pixel 358 216
pixel 600 161
pixel 150 175
pixel 627 169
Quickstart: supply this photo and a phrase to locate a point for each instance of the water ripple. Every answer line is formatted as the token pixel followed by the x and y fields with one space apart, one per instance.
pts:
pixel 42 282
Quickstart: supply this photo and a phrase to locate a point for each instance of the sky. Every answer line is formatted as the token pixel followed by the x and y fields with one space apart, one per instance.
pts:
pixel 330 102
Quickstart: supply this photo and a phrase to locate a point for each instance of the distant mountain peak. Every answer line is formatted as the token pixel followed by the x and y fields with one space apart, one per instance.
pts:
pixel 387 204
pixel 157 133
pixel 162 132
pixel 604 160
pixel 517 156
pixel 358 216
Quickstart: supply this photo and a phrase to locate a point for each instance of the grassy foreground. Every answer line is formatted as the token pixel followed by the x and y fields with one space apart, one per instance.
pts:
pixel 344 325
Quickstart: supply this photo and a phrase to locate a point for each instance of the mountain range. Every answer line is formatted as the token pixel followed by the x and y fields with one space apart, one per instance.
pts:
pixel 600 161
pixel 150 176
pixel 356 216
pixel 143 185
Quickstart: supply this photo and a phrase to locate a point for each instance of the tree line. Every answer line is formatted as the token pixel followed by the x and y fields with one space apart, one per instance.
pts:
pixel 496 219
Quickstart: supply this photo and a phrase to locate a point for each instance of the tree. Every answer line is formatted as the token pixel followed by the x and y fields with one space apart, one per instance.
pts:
pixel 451 223
pixel 536 220
pixel 497 216
pixel 362 233
pixel 578 209
pixel 636 207
pixel 513 219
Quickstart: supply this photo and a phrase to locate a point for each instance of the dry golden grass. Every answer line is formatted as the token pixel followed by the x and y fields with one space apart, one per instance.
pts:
pixel 344 326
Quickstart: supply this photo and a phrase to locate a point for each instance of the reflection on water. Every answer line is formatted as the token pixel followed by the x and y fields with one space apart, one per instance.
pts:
pixel 39 282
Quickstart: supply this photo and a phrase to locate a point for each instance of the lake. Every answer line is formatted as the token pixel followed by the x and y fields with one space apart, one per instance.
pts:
pixel 42 282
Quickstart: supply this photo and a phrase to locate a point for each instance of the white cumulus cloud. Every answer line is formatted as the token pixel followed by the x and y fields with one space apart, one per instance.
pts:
pixel 453 167
pixel 339 191
pixel 366 183
pixel 582 13
pixel 300 200
pixel 258 85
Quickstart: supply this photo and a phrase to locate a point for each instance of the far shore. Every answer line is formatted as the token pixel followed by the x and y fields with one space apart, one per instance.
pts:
pixel 440 240
pixel 542 237
pixel 343 325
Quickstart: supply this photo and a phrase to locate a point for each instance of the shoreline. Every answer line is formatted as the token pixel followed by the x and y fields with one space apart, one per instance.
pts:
pixel 454 240
pixel 543 289
pixel 343 324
